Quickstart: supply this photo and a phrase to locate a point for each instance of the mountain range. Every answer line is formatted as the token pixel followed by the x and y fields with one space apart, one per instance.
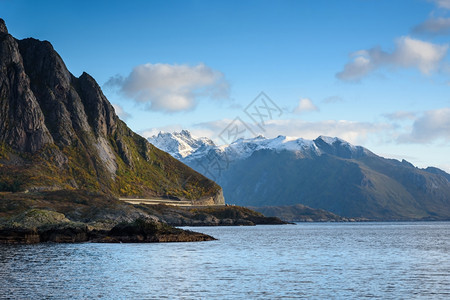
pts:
pixel 326 173
pixel 58 131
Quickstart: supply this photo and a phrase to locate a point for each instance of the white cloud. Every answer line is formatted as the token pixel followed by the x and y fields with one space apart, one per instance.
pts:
pixel 358 68
pixel 171 88
pixel 434 26
pixel 351 131
pixel 433 125
pixel 305 105
pixel 408 53
pixel 442 3
pixel 416 53
pixel 121 112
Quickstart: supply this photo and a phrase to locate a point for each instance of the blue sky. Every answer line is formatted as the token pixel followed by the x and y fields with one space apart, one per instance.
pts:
pixel 373 72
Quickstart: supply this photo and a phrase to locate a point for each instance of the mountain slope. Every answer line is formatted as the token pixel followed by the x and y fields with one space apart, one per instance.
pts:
pixel 58 131
pixel 326 173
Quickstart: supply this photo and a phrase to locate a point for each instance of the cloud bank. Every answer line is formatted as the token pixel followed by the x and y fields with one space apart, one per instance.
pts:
pixel 171 88
pixel 402 127
pixel 408 53
pixel 353 132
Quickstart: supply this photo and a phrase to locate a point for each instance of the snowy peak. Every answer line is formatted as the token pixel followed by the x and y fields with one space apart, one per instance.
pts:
pixel 245 148
pixel 184 146
pixel 331 140
pixel 339 147
pixel 180 144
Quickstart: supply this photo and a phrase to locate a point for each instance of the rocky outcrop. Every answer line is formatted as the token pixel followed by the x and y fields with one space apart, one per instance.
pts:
pixel 19 236
pixel 139 231
pixel 3 28
pixel 209 216
pixel 101 115
pixel 58 131
pixel 216 199
pixel 143 231
pixel 39 226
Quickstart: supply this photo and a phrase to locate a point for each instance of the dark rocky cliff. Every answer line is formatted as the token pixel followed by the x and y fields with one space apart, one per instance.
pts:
pixel 58 131
pixel 22 120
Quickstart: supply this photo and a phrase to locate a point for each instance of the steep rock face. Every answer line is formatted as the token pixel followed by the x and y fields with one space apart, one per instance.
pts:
pixel 217 199
pixel 58 131
pixel 101 115
pixel 22 121
pixel 52 85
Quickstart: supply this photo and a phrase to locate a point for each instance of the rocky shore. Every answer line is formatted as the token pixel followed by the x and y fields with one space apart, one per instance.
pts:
pixel 38 226
pixel 73 216
pixel 209 216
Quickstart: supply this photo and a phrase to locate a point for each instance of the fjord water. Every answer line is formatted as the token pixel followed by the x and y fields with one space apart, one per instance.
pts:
pixel 308 260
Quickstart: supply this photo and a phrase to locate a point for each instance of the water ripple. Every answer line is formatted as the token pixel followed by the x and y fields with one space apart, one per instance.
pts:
pixel 324 261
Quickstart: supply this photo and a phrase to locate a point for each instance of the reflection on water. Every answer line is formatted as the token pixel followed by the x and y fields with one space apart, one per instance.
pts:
pixel 379 260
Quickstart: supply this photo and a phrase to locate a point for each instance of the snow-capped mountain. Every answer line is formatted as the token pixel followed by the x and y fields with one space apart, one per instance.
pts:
pixel 185 147
pixel 180 144
pixel 326 173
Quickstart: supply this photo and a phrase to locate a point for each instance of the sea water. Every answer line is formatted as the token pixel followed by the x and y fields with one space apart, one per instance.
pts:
pixel 307 260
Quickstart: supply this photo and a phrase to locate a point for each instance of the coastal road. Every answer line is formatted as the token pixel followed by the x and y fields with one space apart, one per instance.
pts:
pixel 157 201
pixel 165 202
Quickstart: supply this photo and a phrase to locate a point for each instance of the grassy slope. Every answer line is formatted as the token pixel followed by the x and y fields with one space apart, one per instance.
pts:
pixel 156 172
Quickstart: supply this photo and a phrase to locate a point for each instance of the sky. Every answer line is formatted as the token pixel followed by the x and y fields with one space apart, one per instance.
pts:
pixel 373 72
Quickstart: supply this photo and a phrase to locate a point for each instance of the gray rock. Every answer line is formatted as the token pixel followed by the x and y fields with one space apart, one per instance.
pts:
pixel 22 126
pixel 3 28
